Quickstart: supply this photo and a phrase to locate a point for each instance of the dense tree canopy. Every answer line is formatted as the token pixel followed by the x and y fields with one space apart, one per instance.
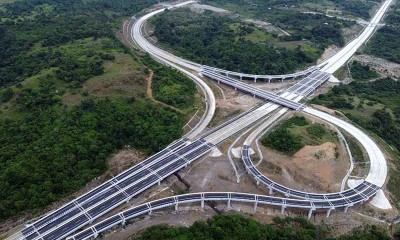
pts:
pixel 50 149
pixel 238 227
pixel 209 39
pixel 386 42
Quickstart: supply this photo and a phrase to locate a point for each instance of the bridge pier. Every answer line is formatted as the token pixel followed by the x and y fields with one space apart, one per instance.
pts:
pixel 255 80
pixel 269 80
pixel 255 206
pixel 347 208
pixel 176 207
pixel 310 212
pixel 283 209
pixel 123 219
pixel 202 204
pixel 229 204
pixel 237 179
pixel 271 191
pixel 328 213
pixel 95 233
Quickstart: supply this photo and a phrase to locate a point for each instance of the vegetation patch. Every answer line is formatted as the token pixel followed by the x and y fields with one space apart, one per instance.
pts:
pixel 223 42
pixel 171 86
pixel 362 72
pixel 70 95
pixel 238 227
pixel 372 105
pixel 296 132
pixel 386 42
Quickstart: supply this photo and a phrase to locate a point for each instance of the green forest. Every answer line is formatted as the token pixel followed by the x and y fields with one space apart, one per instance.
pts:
pixel 378 100
pixel 296 132
pixel 386 42
pixel 263 8
pixel 170 86
pixel 362 72
pixel 224 42
pixel 61 117
pixel 238 227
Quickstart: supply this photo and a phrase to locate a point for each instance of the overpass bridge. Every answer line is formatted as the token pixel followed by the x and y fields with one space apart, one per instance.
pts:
pixel 302 88
pixel 87 208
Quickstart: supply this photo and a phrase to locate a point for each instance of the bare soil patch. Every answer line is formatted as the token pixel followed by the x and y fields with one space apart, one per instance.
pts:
pixel 313 168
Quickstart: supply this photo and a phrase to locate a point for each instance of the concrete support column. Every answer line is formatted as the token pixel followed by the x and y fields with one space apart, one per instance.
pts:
pixel 229 204
pixel 310 213
pixel 159 182
pixel 241 77
pixel 237 179
pixel 235 88
pixel 96 234
pixel 176 207
pixel 218 82
pixel 123 219
pixel 283 209
pixel 202 204
pixel 347 208
pixel 269 80
pixel 148 205
pixel 258 181
pixel 328 213
pixel 271 191
pixel 255 206
pixel 255 80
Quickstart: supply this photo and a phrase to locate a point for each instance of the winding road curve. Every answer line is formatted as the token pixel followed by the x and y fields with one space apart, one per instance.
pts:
pixel 84 210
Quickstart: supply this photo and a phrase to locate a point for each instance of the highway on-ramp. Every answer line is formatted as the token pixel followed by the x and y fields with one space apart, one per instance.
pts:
pixel 84 210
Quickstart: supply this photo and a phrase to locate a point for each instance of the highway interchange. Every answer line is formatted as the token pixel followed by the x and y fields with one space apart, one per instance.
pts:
pixel 87 208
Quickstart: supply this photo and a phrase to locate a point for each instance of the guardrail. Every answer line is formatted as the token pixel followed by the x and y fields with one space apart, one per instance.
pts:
pixel 265 77
pixel 147 208
pixel 254 91
pixel 274 186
